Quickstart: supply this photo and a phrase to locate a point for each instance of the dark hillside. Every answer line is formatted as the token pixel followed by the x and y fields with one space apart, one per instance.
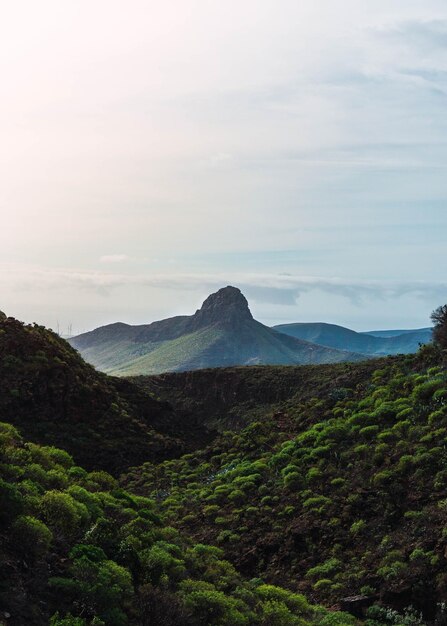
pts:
pixel 55 398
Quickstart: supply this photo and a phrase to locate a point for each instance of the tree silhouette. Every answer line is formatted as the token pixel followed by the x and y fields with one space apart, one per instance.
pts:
pixel 439 319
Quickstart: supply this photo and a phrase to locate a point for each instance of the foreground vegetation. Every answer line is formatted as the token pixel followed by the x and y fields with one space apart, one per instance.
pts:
pixel 333 495
pixel 79 548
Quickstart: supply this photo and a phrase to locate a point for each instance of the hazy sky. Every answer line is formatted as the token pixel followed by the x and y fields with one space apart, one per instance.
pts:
pixel 151 152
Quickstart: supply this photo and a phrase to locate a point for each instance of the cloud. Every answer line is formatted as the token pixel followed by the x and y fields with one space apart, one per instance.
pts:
pixel 113 258
pixel 276 289
pixel 427 35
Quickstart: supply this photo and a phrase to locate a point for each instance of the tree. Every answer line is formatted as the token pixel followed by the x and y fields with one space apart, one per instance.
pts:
pixel 439 319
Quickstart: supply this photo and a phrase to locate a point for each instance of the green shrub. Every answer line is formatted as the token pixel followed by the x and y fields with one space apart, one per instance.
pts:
pixel 62 513
pixel 323 583
pixel 33 537
pixel 357 527
pixel 328 567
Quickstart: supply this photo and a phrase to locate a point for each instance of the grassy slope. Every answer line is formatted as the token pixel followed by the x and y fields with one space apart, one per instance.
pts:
pixel 111 354
pixel 172 355
pixel 216 346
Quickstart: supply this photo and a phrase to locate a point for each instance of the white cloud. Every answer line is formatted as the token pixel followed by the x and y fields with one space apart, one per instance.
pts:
pixel 113 258
pixel 275 288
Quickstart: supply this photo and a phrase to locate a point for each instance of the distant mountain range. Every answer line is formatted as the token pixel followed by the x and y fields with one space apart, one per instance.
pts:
pixel 221 333
pixel 395 333
pixel 373 343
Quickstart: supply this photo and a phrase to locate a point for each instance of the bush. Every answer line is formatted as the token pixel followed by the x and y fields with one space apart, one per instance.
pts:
pixel 214 607
pixel 33 537
pixel 62 513
pixel 357 527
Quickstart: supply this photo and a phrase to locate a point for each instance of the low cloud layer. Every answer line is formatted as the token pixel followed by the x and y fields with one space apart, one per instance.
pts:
pixel 267 288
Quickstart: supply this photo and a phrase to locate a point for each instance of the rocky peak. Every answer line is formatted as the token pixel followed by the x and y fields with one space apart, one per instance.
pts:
pixel 227 305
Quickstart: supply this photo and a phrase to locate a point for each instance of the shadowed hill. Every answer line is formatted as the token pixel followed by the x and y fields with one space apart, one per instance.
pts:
pixel 221 333
pixel 229 398
pixel 56 398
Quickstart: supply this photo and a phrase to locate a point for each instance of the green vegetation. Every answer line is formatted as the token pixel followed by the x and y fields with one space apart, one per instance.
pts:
pixel 229 398
pixel 77 550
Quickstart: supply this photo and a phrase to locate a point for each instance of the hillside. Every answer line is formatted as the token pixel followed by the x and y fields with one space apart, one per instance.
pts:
pixel 338 490
pixel 377 343
pixel 222 333
pixel 55 398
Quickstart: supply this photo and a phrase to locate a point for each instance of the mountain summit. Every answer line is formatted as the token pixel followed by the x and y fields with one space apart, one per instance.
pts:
pixel 221 333
pixel 226 306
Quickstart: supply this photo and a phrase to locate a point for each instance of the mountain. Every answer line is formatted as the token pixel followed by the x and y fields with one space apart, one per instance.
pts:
pixel 55 398
pixel 373 343
pixel 221 333
pixel 76 549
pixel 394 333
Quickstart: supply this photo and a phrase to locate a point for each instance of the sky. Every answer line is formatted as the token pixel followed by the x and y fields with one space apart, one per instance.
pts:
pixel 152 152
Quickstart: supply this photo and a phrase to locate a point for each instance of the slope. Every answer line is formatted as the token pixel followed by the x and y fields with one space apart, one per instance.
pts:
pixel 231 398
